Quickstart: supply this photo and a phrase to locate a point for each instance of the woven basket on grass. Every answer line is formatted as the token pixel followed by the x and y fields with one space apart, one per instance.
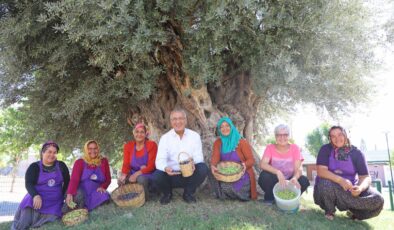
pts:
pixel 137 201
pixel 186 165
pixel 75 217
pixel 228 177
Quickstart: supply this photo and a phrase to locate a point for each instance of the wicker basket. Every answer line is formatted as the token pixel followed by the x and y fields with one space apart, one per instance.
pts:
pixel 228 177
pixel 135 202
pixel 186 165
pixel 75 217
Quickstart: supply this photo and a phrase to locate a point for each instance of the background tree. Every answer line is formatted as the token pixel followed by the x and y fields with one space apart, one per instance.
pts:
pixel 90 69
pixel 14 141
pixel 317 138
pixel 363 145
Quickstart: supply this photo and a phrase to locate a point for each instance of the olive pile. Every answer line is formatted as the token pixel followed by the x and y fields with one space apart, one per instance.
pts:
pixel 128 196
pixel 229 170
pixel 72 204
pixel 286 194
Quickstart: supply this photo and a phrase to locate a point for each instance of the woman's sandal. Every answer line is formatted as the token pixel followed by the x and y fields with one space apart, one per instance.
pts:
pixel 329 216
pixel 351 216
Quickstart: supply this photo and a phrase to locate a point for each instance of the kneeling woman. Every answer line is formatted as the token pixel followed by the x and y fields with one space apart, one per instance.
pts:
pixel 231 147
pixel 89 179
pixel 46 182
pixel 139 159
pixel 281 161
pixel 343 179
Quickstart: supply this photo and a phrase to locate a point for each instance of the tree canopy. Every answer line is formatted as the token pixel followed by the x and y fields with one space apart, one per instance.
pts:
pixel 89 69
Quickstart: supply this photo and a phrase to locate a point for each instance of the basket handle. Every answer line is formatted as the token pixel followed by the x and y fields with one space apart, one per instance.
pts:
pixel 179 155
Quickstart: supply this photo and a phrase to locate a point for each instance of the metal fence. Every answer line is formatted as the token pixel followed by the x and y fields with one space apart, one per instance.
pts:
pixel 12 191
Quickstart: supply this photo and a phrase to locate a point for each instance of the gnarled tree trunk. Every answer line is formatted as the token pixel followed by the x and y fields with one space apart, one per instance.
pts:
pixel 204 106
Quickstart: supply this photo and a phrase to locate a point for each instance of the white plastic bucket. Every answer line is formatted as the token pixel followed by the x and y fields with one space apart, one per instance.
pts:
pixel 287 205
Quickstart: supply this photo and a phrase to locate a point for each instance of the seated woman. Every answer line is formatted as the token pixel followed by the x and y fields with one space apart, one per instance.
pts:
pixel 281 162
pixel 46 182
pixel 139 159
pixel 90 178
pixel 343 180
pixel 231 147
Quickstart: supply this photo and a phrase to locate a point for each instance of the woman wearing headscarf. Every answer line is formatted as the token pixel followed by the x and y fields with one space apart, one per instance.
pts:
pixel 343 179
pixel 90 178
pixel 46 182
pixel 230 146
pixel 281 161
pixel 139 158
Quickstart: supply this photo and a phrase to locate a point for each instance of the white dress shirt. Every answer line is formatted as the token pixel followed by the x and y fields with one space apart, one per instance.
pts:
pixel 170 145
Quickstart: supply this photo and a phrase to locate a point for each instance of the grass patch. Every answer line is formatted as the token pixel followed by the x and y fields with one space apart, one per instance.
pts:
pixel 210 213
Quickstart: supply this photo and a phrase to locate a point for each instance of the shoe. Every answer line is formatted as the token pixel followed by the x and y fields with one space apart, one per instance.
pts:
pixel 268 202
pixel 188 198
pixel 166 198
pixel 351 216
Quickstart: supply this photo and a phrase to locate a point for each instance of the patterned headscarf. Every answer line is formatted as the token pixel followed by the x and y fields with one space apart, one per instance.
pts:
pixel 91 161
pixel 48 144
pixel 230 142
pixel 142 125
pixel 341 153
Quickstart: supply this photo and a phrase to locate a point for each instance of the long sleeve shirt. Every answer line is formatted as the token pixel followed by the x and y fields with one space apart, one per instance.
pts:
pixel 128 150
pixel 77 174
pixel 171 145
pixel 33 172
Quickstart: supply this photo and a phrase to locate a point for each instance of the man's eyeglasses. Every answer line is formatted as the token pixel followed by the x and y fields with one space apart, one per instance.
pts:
pixel 177 119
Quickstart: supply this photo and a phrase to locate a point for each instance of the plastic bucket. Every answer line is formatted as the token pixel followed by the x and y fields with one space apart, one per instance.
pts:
pixel 292 205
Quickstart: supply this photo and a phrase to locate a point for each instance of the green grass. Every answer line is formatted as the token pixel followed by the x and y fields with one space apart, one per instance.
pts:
pixel 210 213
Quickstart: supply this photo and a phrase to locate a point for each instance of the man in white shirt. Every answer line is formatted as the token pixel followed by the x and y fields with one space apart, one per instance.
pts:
pixel 168 176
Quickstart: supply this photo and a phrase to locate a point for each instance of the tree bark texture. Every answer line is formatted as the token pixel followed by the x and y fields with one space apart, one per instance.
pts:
pixel 232 97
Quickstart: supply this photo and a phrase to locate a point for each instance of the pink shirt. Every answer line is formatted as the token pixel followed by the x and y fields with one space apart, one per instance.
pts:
pixel 283 161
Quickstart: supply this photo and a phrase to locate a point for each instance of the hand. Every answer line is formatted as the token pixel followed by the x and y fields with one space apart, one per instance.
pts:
pixel 170 171
pixel 281 178
pixel 101 190
pixel 122 179
pixel 214 169
pixel 345 184
pixel 142 166
pixel 295 182
pixel 133 178
pixel 69 199
pixel 355 190
pixel 37 202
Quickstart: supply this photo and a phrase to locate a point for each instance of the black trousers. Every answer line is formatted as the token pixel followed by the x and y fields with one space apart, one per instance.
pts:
pixel 268 180
pixel 165 183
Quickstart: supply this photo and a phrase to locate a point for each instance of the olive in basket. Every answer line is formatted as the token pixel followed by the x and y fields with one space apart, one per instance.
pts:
pixel 75 217
pixel 229 170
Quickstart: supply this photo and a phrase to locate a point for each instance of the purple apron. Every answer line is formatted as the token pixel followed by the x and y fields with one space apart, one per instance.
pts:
pixel 91 180
pixel 233 156
pixel 344 169
pixel 137 162
pixel 49 187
